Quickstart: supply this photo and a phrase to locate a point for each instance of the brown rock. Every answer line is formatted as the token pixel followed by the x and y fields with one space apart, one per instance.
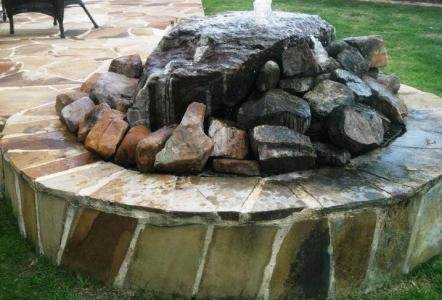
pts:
pixel 65 99
pixel 125 155
pixel 86 86
pixel 107 133
pixel 90 119
pixel 129 66
pixel 113 114
pixel 188 148
pixel 236 166
pixel 228 141
pixel 372 49
pixel 149 147
pixel 72 114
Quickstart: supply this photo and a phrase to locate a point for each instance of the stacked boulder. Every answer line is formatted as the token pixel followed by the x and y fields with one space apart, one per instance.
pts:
pixel 318 105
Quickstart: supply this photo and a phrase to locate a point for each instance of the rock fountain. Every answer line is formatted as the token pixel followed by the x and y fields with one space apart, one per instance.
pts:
pixel 317 233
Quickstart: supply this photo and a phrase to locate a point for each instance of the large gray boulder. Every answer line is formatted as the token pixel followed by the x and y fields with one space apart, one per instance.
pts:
pixel 281 150
pixel 275 107
pixel 215 61
pixel 327 95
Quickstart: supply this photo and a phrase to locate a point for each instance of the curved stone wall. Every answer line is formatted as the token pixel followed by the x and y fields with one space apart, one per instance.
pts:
pixel 317 233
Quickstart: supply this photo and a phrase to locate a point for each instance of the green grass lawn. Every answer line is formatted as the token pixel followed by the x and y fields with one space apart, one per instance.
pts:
pixel 412 34
pixel 413 37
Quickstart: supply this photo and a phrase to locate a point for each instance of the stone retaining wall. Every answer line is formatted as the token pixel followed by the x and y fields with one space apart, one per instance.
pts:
pixel 318 233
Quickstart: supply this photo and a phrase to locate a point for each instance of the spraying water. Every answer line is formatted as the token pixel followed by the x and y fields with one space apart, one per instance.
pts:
pixel 263 12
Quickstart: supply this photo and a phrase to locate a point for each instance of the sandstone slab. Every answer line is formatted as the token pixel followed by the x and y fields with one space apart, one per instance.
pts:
pixel 303 263
pixel 90 230
pixel 166 259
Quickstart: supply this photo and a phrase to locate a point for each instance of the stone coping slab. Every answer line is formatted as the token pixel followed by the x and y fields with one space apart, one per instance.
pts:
pixel 320 234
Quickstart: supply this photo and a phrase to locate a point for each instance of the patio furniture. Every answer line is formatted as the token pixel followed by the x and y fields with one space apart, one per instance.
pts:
pixel 3 13
pixel 54 8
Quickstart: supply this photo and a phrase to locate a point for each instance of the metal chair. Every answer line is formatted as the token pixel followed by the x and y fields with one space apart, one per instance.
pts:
pixel 54 8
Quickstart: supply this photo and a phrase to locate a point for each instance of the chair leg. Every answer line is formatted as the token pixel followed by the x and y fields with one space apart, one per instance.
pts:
pixel 88 14
pixel 60 24
pixel 11 24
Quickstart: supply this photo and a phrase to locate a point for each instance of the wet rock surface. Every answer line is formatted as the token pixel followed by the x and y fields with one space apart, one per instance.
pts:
pixel 386 102
pixel 327 95
pixel 114 89
pixel 268 76
pixel 214 67
pixel 355 129
pixel 72 114
pixel 148 148
pixel 129 66
pixel 188 148
pixel 236 166
pixel 275 107
pixel 232 76
pixel 281 150
pixel 90 119
pixel 126 152
pixel 228 141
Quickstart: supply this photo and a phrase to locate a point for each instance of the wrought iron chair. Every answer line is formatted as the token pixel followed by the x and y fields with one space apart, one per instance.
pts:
pixel 54 8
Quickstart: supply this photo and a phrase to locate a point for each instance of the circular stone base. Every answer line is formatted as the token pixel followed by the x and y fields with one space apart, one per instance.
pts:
pixel 317 233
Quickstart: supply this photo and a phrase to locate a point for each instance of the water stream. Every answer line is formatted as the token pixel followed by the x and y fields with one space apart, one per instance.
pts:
pixel 263 12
